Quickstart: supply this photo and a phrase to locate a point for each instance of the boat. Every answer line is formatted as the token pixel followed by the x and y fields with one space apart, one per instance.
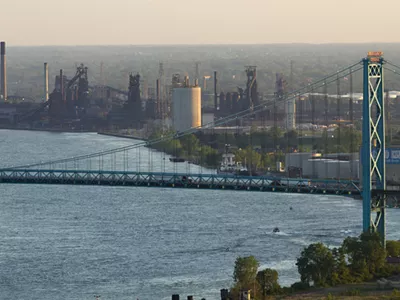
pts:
pixel 176 159
pixel 276 229
pixel 229 166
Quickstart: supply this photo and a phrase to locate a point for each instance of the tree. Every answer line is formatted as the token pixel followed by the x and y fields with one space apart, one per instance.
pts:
pixel 291 138
pixel 341 273
pixel 268 282
pixel 191 144
pixel 249 157
pixel 316 264
pixel 366 255
pixel 245 272
pixel 274 133
pixel 393 248
pixel 209 156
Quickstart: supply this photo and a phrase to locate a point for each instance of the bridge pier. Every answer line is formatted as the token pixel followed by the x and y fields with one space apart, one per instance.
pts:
pixel 373 145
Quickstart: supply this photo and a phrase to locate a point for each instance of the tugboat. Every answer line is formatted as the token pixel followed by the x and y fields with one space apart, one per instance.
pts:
pixel 276 229
pixel 229 166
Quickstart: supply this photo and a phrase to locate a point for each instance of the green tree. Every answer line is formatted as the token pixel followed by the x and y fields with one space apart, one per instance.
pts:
pixel 341 273
pixel 393 248
pixel 245 272
pixel 249 158
pixel 348 139
pixel 267 161
pixel 209 156
pixel 365 254
pixel 274 133
pixel 268 282
pixel 316 265
pixel 190 144
pixel 291 138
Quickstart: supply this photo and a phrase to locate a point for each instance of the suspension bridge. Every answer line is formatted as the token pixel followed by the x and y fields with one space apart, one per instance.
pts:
pixel 260 148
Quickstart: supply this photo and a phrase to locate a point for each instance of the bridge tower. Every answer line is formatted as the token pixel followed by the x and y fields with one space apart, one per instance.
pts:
pixel 373 145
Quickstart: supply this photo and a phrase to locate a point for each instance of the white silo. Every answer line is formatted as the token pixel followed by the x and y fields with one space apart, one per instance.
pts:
pixel 186 107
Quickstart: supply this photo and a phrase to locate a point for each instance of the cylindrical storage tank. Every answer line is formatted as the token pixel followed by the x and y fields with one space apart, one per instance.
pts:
pixel 186 108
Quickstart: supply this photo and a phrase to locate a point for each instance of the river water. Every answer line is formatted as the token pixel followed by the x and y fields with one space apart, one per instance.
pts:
pixel 74 242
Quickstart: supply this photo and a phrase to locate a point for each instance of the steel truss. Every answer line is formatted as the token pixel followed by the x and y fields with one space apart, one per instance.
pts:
pixel 178 180
pixel 373 146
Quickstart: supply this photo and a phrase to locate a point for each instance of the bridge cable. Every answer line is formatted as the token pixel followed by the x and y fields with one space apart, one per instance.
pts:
pixel 338 118
pixel 313 124
pixel 351 116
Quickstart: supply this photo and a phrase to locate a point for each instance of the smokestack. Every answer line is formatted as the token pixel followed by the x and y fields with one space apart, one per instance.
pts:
pixel 215 91
pixel 46 82
pixel 62 85
pixel 3 71
pixel 158 89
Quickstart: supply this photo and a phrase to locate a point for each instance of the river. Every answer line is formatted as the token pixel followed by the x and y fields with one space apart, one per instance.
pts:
pixel 74 242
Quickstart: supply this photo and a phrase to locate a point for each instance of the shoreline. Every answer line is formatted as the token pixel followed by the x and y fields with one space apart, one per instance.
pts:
pixel 62 130
pixel 132 137
pixel 48 130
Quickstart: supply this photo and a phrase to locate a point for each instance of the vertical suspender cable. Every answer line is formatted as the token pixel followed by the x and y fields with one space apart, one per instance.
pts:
pixel 339 119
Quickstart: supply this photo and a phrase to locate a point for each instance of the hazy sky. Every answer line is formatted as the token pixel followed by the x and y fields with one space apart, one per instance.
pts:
pixel 87 22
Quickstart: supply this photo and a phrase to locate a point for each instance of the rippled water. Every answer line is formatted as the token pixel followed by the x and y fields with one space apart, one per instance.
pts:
pixel 72 242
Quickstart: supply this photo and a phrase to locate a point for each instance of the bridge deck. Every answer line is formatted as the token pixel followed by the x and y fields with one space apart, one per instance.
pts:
pixel 180 180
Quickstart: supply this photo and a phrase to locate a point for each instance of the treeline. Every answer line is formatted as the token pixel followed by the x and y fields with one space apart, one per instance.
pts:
pixel 357 260
pixel 188 147
pixel 259 150
pixel 342 139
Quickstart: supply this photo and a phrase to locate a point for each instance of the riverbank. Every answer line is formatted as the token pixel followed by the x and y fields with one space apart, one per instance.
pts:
pixel 367 290
pixel 132 137
pixel 46 129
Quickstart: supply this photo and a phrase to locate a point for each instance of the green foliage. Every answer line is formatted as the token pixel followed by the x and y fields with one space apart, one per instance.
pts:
pixel 357 260
pixel 245 272
pixel 249 158
pixel 393 248
pixel 351 293
pixel 316 265
pixel 300 286
pixel 366 255
pixel 330 297
pixel 342 139
pixel 268 282
pixel 188 147
pixel 341 273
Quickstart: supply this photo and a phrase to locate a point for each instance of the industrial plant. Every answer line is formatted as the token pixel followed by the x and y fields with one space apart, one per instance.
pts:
pixel 175 104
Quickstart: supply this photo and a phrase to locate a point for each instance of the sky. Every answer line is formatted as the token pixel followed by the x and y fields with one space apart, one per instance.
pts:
pixel 138 22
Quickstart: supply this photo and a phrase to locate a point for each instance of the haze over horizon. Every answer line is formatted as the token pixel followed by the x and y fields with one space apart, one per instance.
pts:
pixel 158 22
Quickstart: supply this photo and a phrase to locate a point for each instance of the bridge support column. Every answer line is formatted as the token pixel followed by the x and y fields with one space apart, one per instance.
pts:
pixel 373 145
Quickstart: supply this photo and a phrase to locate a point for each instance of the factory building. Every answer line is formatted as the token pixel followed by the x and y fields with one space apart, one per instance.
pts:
pixel 330 166
pixel 186 106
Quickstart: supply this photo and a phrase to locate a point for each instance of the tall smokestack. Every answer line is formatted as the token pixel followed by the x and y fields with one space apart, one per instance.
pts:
pixel 62 85
pixel 215 91
pixel 3 71
pixel 46 82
